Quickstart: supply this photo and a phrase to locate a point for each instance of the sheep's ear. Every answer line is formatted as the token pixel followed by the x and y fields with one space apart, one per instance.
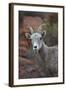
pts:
pixel 27 35
pixel 44 33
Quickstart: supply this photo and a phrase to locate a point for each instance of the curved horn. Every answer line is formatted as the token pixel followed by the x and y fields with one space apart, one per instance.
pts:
pixel 40 27
pixel 31 29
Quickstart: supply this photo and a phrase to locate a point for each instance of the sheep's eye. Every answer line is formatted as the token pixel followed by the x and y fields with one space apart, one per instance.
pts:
pixel 40 38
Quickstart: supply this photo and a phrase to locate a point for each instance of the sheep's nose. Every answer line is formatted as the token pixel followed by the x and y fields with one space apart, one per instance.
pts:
pixel 35 47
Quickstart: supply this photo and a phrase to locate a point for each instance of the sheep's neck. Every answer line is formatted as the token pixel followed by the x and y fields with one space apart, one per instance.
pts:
pixel 43 51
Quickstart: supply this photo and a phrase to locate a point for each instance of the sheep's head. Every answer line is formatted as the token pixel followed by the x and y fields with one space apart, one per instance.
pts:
pixel 36 37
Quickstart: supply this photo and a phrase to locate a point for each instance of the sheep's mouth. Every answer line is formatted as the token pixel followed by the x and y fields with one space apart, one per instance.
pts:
pixel 35 51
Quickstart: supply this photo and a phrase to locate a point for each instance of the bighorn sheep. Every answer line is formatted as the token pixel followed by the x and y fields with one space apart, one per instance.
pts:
pixel 48 55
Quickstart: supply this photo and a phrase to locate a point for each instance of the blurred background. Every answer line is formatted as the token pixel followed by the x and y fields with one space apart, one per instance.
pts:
pixel 51 21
